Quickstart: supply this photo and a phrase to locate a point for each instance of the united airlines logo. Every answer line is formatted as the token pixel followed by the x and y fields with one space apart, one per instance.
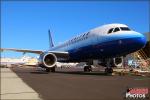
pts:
pixel 137 93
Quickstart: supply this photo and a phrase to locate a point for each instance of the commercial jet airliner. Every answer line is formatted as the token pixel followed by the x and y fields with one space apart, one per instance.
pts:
pixel 105 42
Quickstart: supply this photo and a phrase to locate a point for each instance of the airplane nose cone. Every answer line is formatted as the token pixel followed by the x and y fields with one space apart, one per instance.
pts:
pixel 135 42
pixel 140 41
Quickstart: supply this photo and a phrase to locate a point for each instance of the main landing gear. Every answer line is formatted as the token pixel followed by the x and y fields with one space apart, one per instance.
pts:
pixel 108 69
pixel 87 68
pixel 48 69
pixel 51 69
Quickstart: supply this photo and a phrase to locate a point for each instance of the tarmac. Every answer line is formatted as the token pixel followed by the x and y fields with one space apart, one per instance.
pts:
pixel 67 84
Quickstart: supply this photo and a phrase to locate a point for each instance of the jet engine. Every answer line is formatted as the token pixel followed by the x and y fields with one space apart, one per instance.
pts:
pixel 47 60
pixel 117 62
pixel 114 62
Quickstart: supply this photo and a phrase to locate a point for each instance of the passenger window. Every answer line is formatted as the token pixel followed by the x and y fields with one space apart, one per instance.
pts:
pixel 110 31
pixel 116 29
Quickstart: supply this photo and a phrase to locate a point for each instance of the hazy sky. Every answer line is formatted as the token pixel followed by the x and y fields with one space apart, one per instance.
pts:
pixel 25 24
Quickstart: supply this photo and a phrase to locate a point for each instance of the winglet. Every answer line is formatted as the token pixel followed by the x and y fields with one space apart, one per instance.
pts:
pixel 50 39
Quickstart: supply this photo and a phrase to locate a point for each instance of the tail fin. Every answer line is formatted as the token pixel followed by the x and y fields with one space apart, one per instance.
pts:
pixel 51 44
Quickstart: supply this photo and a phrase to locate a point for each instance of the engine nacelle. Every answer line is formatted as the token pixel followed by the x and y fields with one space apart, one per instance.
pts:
pixel 118 62
pixel 114 62
pixel 47 60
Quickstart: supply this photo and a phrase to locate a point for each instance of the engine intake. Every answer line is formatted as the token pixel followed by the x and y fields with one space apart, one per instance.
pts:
pixel 48 60
pixel 114 62
pixel 118 61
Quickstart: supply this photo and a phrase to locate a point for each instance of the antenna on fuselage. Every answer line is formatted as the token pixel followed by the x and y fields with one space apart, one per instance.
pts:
pixel 51 44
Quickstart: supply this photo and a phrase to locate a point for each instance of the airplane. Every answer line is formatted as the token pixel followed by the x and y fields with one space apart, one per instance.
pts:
pixel 105 42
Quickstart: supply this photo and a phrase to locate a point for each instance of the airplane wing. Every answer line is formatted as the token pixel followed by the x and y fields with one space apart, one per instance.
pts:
pixel 59 54
pixel 22 50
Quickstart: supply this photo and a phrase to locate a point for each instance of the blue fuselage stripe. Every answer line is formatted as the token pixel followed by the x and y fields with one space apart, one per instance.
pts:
pixel 106 49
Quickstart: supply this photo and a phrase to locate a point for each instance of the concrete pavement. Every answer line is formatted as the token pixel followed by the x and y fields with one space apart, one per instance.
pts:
pixel 12 87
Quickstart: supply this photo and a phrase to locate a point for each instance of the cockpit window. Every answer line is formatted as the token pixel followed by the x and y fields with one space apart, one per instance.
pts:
pixel 116 29
pixel 124 28
pixel 110 31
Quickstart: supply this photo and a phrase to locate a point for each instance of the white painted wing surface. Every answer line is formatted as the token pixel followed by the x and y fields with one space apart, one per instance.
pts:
pixel 22 50
pixel 59 54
